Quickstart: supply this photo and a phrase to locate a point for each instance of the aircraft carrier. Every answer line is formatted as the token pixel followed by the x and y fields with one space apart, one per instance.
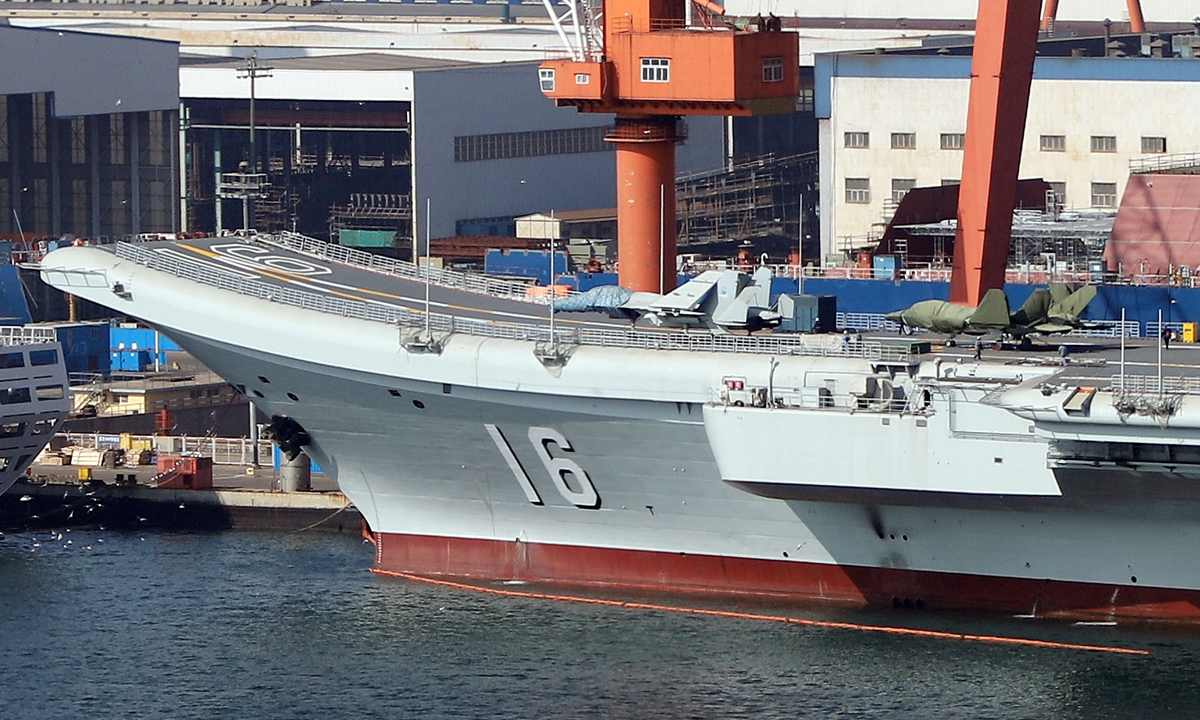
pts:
pixel 479 443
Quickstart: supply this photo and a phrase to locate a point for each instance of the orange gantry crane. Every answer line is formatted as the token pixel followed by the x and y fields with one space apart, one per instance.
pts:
pixel 650 62
pixel 1006 34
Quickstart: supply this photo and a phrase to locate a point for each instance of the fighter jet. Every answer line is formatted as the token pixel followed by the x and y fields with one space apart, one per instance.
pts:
pixel 946 317
pixel 716 299
pixel 1046 312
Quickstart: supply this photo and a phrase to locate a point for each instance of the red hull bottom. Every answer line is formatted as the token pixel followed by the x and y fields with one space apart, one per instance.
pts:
pixel 715 575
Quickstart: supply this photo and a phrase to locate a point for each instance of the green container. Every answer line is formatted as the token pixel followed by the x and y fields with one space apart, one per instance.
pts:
pixel 366 238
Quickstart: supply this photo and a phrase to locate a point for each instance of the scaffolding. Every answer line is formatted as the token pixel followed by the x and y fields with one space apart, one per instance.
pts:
pixel 374 211
pixel 750 199
pixel 1073 241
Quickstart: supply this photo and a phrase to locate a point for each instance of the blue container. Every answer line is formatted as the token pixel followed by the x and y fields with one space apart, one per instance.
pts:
pixel 532 264
pixel 886 266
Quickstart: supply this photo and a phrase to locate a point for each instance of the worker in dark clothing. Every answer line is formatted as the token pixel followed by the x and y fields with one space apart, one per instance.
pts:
pixel 978 348
pixel 1166 337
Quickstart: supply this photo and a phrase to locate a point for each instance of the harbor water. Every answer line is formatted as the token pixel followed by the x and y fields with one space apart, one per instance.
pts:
pixel 98 624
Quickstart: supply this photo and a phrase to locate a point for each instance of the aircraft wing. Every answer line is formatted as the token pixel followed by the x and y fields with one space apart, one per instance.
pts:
pixel 1052 328
pixel 687 297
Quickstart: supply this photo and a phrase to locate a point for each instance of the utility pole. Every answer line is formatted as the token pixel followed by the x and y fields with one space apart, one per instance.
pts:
pixel 253 70
pixel 247 182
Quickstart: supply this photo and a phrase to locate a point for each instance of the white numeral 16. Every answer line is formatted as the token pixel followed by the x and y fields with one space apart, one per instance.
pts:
pixel 557 467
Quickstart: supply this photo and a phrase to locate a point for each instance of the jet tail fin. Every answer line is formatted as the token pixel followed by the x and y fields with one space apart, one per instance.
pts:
pixel 1034 309
pixel 1073 305
pixel 992 311
pixel 1059 292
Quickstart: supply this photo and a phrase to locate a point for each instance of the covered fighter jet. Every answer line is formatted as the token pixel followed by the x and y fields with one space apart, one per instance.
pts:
pixel 1046 312
pixel 715 299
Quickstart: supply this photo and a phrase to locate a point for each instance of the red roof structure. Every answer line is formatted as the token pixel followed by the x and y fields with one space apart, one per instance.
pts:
pixel 1157 226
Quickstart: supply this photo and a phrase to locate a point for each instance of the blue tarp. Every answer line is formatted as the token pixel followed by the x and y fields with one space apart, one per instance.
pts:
pixel 14 310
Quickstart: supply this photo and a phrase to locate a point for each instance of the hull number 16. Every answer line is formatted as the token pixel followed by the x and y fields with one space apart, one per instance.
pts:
pixel 580 492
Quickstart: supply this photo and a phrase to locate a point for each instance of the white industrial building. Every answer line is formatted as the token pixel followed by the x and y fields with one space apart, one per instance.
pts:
pixel 474 141
pixel 899 11
pixel 888 123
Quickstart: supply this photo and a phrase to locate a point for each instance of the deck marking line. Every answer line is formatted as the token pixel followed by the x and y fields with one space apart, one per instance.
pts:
pixel 290 278
pixel 830 624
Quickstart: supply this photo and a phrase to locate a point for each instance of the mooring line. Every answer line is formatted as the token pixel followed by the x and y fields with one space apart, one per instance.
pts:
pixel 829 624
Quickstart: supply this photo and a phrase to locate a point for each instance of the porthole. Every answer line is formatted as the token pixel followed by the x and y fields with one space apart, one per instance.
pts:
pixel 393 393
pixel 418 404
pixel 258 394
pixel 292 397
pixel 264 380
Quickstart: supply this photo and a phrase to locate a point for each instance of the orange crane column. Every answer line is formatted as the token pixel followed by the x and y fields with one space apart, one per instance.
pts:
pixel 1006 34
pixel 646 202
pixel 1049 14
pixel 1137 23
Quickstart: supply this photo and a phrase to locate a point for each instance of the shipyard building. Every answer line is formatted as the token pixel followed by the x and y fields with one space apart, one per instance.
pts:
pixel 88 134
pixel 357 146
pixel 892 122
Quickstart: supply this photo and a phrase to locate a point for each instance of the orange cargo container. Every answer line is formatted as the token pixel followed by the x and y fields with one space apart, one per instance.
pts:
pixel 185 472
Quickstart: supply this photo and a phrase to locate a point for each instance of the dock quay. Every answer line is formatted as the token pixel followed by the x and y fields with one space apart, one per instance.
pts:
pixel 121 499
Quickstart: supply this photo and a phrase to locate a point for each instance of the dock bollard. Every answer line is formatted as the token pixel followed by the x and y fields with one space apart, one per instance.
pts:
pixel 295 475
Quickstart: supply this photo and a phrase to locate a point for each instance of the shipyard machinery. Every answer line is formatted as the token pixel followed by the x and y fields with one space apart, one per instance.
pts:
pixel 650 62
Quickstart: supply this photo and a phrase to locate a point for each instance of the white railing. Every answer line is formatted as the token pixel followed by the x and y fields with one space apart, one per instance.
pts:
pixel 1150 385
pixel 1158 163
pixel 400 268
pixel 1154 329
pixel 1112 329
pixel 223 451
pixel 446 324
pixel 866 321
pixel 21 335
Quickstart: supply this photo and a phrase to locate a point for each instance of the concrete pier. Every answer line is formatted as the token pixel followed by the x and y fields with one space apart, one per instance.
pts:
pixel 53 497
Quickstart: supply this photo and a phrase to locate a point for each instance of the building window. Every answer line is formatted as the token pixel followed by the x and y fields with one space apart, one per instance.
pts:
pixel 81 223
pixel 116 139
pixel 951 181
pixel 1054 143
pixel 858 190
pixel 41 205
pixel 157 137
pixel 502 146
pixel 1154 145
pixel 904 141
pixel 6 216
pixel 772 69
pixel 118 207
pixel 78 141
pixel 583 79
pixel 546 78
pixel 1060 192
pixel 900 188
pixel 160 208
pixel 39 128
pixel 3 128
pixel 804 101
pixel 1104 144
pixel 1104 195
pixel 953 141
pixel 858 140
pixel 656 70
